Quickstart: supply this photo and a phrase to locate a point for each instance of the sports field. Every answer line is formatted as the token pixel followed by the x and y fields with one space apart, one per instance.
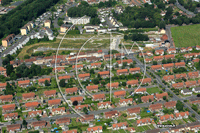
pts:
pixel 185 36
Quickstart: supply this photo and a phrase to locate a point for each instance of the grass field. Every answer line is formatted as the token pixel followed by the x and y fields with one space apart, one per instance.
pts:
pixel 153 90
pixel 185 36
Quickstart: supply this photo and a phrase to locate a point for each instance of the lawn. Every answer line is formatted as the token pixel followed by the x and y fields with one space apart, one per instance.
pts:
pixel 185 36
pixel 153 90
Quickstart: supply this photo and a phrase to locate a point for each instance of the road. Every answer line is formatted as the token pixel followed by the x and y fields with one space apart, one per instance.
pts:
pixel 169 34
pixel 183 9
pixel 159 80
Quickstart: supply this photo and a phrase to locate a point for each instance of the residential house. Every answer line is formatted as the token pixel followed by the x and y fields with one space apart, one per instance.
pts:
pixel 42 81
pixel 159 52
pixel 167 117
pixel 121 125
pixel 8 108
pixel 122 71
pixel 125 102
pixel 158 58
pixel 97 129
pixel 169 105
pixel 119 94
pixel 8 40
pixel 50 93
pixel 85 76
pixel 179 64
pixel 155 107
pixel 134 70
pixel 58 111
pixel 147 60
pixel 172 56
pixel 180 76
pixel 79 99
pixel 168 78
pixel 186 92
pixel 63 121
pixel 73 90
pixel 140 91
pixel 79 67
pixel 132 83
pixel 196 90
pixel 66 78
pixel 160 96
pixel 104 105
pixel 87 119
pixel 3 71
pixel 104 74
pixel 112 85
pixel 92 88
pixel 111 114
pixel 28 96
pixel 119 55
pixel 38 124
pixel 156 67
pixel 99 97
pixel 13 128
pixel 80 107
pixel 10 116
pixel 24 83
pixel 6 98
pixel 2 86
pixel 47 23
pixel 146 81
pixel 193 75
pixel 179 85
pixel 54 102
pixel 190 84
pixel 128 61
pixel 35 113
pixel 168 66
pixel 133 111
pixel 95 65
pixel 148 98
pixel 31 105
pixel 182 115
pixel 171 51
pixel 143 122
pixel 107 57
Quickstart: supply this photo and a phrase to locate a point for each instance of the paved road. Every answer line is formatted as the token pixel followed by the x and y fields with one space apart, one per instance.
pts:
pixel 183 9
pixel 168 32
pixel 159 80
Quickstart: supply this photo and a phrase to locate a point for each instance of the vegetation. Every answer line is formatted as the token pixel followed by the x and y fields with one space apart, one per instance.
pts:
pixel 136 37
pixel 189 4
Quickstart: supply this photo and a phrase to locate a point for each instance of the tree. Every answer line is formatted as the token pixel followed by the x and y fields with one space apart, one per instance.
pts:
pixel 38 117
pixel 13 121
pixel 46 83
pixel 26 57
pixel 164 97
pixel 155 63
pixel 85 110
pixel 125 37
pixel 123 83
pixel 9 89
pixel 164 61
pixel 9 69
pixel 193 115
pixel 62 83
pixel 179 105
pixel 91 71
pixel 162 25
pixel 24 123
pixel 150 100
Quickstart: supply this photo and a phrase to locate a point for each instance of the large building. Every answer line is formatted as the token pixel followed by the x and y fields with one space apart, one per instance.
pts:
pixel 47 23
pixel 8 40
pixel 77 20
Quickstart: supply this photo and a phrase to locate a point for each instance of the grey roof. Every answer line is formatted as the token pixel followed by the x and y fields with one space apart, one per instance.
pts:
pixel 186 90
pixel 197 89
pixel 193 124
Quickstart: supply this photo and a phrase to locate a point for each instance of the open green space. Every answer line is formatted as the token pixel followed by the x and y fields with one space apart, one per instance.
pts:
pixel 185 36
pixel 153 90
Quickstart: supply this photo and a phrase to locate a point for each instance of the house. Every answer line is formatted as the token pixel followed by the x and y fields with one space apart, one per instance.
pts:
pixel 79 99
pixel 134 70
pixel 160 96
pixel 6 98
pixel 122 71
pixel 10 116
pixel 197 47
pixel 13 128
pixel 63 121
pixel 196 90
pixel 121 125
pixel 2 86
pixel 146 81
pixel 190 55
pixel 172 56
pixel 71 131
pixel 24 30
pixel 3 71
pixel 189 49
pixel 78 20
pixel 145 121
pixel 99 97
pixel 119 55
pixel 59 111
pixel 148 98
pixel 47 23
pixel 149 53
pixel 140 91
pixel 79 67
pixel 50 93
pixel 159 52
pixel 55 102
pixel 132 83
pixel 111 114
pixel 194 126
pixel 73 90
pixel 171 51
pixel 66 78
pixel 168 78
pixel 128 61
pixel 179 85
pixel 169 105
pixel 104 105
pixel 95 65
pixel 35 113
pixel 182 50
pixel 119 94
pixel 32 105
pixel 168 66
pixel 193 75
pixel 80 107
pixel 148 60
pixel 180 76
pixel 92 88
pixel 104 74
pixel 42 81
pixel 190 84
pixel 97 129
pixel 179 64
pixel 24 83
pixel 8 40
pixel 155 107
pixel 167 117
pixel 65 27
pixel 39 124
pixel 85 76
pixel 28 96
pixel 182 115
pixel 195 60
pixel 156 67
pixel 108 56
pixel 133 111
pixel 186 92
pixel 113 85
pixel 125 102
pixel 158 58
pixel 8 108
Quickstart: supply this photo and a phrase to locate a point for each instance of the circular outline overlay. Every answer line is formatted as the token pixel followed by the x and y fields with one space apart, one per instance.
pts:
pixel 77 71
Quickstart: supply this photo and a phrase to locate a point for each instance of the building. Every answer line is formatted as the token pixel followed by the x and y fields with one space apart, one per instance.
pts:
pixel 143 122
pixel 104 105
pixel 47 23
pixel 42 81
pixel 122 71
pixel 146 81
pixel 125 102
pixel 79 99
pixel 112 85
pixel 134 70
pixel 85 76
pixel 169 105
pixel 104 74
pixel 65 27
pixel 28 96
pixel 13 128
pixel 132 83
pixel 160 96
pixel 78 20
pixel 148 98
pixel 179 85
pixel 6 98
pixel 97 129
pixel 99 97
pixel 181 115
pixel 119 94
pixel 58 111
pixel 167 117
pixel 63 121
pixel 73 90
pixel 133 111
pixel 8 40
pixel 111 114
pixel 155 107
pixel 2 86
pixel 186 92
pixel 92 88
pixel 55 102
pixel 3 71
pixel 179 64
pixel 8 108
pixel 156 67
pixel 10 116
pixel 121 125
pixel 50 93
pixel 32 105
pixel 168 78
pixel 24 30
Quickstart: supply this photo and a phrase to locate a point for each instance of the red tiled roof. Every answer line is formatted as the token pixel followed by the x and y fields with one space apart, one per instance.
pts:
pixel 132 82
pixel 2 69
pixel 78 99
pixel 126 100
pixel 120 93
pixel 159 96
pixel 104 73
pixel 168 77
pixel 28 95
pixel 98 96
pixel 180 76
pixel 182 114
pixel 178 85
pixel 116 84
pixel 172 56
pixel 54 102
pixel 81 106
pixel 8 107
pixel 31 104
pixel 6 97
pixel 35 112
pixel 84 75
pixel 170 65
pixel 145 120
pixel 3 84
pixel 110 113
pixel 141 90
pixel 155 67
pixel 166 117
pixel 154 107
pixel 146 98
pixel 193 74
pixel 58 109
pixel 43 80
pixel 63 120
pixel 78 66
pixel 180 64
pixel 64 77
pixel 146 80
pixel 95 64
pixel 122 71
pixel 158 57
pixel 128 61
pixel 39 123
pixel 50 92
pixel 134 69
pixel 10 115
pixel 93 129
pixel 121 124
pixel 92 87
pixel 71 90
pixel 104 103
pixel 170 104
pixel 70 131
pixel 23 82
pixel 190 83
pixel 134 110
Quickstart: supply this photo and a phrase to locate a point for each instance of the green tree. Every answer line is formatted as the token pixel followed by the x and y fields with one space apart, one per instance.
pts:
pixel 24 123
pixel 26 57
pixel 85 110
pixel 13 121
pixel 38 117
pixel 62 83
pixel 46 83
pixel 179 105
pixel 9 69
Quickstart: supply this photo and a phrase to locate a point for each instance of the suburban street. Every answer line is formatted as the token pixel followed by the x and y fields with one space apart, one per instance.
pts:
pixel 183 9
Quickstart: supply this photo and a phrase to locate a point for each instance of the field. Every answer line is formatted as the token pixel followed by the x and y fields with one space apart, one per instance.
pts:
pixel 185 36
pixel 153 90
